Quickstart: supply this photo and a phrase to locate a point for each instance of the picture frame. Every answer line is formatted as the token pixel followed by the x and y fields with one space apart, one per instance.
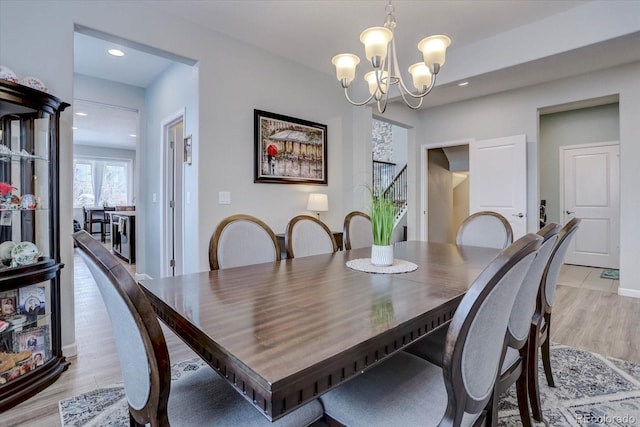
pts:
pixel 8 306
pixel 288 150
pixel 32 302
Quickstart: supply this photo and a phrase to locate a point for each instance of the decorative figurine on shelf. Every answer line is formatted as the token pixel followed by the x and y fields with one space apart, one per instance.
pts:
pixel 6 197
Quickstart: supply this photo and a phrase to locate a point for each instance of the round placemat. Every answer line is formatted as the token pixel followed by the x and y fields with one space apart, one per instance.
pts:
pixel 398 266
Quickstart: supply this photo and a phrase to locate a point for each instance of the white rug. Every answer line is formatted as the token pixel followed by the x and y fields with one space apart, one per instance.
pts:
pixel 592 390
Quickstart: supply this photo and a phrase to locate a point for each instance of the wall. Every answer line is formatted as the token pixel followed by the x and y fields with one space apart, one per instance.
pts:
pixel 583 126
pixel 460 207
pixel 174 91
pixel 516 112
pixel 230 85
pixel 440 197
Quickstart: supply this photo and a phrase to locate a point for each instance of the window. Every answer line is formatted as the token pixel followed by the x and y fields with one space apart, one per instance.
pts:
pixel 101 182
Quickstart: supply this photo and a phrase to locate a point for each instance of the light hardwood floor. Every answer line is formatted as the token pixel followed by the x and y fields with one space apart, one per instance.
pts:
pixel 595 320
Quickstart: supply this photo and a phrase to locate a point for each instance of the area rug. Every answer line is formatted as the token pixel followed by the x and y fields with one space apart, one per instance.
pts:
pixel 592 390
pixel 610 273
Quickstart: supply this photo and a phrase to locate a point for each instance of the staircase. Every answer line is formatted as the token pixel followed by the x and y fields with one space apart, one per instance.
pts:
pixel 394 188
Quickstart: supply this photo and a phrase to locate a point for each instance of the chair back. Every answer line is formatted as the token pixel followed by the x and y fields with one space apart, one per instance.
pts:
pixel 142 348
pixel 242 240
pixel 306 236
pixel 552 270
pixel 487 229
pixel 525 303
pixel 357 231
pixel 125 208
pixel 476 338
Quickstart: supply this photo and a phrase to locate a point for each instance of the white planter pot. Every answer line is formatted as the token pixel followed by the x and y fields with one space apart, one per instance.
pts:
pixel 382 256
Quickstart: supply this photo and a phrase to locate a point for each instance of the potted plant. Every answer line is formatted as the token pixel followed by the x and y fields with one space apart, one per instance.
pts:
pixel 383 216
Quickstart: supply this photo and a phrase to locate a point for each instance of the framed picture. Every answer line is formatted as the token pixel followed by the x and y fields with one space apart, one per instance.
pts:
pixel 289 150
pixel 8 306
pixel 32 302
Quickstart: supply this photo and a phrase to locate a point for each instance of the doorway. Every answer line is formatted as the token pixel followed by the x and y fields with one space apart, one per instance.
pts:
pixel 172 195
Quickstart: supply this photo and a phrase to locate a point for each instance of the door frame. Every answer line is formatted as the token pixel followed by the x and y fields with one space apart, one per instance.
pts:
pixel 165 225
pixel 562 150
pixel 424 179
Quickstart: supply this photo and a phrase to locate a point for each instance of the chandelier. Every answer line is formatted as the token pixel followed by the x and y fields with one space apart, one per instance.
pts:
pixel 380 50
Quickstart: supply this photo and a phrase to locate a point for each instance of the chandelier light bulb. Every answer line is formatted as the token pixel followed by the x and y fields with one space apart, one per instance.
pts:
pixel 375 41
pixel 421 76
pixel 434 49
pixel 345 64
pixel 374 88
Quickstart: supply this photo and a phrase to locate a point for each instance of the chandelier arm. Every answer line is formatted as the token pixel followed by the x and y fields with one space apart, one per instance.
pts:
pixel 406 101
pixel 357 104
pixel 403 86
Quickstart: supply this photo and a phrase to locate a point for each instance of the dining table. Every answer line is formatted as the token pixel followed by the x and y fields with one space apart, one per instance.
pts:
pixel 284 333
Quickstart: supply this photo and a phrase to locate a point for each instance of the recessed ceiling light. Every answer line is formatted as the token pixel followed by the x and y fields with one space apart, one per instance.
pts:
pixel 81 114
pixel 463 83
pixel 132 135
pixel 74 128
pixel 116 52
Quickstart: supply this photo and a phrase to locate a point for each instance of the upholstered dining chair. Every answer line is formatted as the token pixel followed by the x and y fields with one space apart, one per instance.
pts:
pixel 487 229
pixel 203 398
pixel 409 391
pixel 514 366
pixel 541 325
pixel 357 232
pixel 242 240
pixel 93 218
pixel 306 236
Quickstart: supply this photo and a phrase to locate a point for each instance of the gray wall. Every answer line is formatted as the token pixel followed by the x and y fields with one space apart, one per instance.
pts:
pixel 516 112
pixel 440 197
pixel 583 126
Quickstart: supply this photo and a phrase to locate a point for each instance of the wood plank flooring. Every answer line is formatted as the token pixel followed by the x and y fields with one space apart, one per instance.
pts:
pixel 595 320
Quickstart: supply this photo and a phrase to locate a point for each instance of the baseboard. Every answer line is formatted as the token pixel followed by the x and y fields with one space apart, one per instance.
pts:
pixel 143 276
pixel 626 292
pixel 70 350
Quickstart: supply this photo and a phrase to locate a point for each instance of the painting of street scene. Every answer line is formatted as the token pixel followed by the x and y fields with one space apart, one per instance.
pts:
pixel 289 150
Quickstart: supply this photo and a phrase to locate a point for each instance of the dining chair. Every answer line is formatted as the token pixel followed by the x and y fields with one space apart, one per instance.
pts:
pixel 106 223
pixel 357 231
pixel 487 229
pixel 93 217
pixel 514 366
pixel 200 399
pixel 407 390
pixel 242 240
pixel 541 324
pixel 306 236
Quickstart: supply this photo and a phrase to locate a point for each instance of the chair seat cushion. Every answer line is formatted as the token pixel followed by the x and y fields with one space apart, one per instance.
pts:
pixel 404 390
pixel 205 399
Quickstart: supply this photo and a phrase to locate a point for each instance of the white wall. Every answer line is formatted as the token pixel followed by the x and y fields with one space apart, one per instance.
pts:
pixel 36 38
pixel 516 112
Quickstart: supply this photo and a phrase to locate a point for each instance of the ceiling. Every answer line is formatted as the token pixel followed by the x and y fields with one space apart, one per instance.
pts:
pixel 312 32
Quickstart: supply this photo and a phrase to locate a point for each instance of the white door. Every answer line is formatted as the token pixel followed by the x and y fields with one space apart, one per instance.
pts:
pixel 498 179
pixel 172 249
pixel 590 182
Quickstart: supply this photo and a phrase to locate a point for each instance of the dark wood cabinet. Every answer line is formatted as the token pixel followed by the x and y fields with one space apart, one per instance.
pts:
pixel 30 336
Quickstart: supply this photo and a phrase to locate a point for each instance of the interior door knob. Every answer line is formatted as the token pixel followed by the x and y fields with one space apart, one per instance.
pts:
pixel 519 215
pixel 570 212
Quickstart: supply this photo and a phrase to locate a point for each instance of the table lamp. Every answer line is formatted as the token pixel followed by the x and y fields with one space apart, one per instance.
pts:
pixel 318 203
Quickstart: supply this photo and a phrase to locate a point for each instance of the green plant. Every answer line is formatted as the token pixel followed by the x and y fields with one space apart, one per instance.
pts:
pixel 383 215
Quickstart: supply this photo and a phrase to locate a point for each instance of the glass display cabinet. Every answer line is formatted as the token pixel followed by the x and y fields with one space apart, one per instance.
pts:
pixel 30 339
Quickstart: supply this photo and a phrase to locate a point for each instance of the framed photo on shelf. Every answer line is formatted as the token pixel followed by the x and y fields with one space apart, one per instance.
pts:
pixel 8 306
pixel 289 150
pixel 35 340
pixel 32 301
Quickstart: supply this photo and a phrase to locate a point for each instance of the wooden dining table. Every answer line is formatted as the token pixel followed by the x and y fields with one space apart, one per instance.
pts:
pixel 284 333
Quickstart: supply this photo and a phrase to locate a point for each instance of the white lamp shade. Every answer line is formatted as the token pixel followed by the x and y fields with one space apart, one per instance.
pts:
pixel 318 202
pixel 421 76
pixel 434 49
pixel 345 64
pixel 370 77
pixel 375 41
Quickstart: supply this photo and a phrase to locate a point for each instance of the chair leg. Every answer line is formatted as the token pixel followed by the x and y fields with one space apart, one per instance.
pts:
pixel 521 390
pixel 532 373
pixel 546 353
